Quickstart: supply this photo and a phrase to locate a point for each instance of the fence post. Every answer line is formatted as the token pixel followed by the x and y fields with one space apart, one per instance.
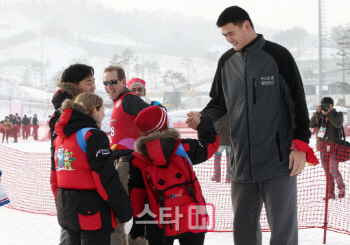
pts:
pixel 328 147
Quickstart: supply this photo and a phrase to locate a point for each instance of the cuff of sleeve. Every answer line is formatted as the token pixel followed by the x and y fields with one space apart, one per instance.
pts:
pixel 302 146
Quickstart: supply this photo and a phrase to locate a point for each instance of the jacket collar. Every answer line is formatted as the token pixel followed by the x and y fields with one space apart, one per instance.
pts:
pixel 256 44
pixel 74 117
pixel 66 91
pixel 158 146
pixel 125 90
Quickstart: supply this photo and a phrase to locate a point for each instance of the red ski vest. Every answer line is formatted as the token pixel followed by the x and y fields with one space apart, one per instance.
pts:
pixel 124 133
pixel 72 168
pixel 172 190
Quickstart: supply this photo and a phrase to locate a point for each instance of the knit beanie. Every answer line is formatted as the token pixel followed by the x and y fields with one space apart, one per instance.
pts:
pixel 151 119
pixel 136 80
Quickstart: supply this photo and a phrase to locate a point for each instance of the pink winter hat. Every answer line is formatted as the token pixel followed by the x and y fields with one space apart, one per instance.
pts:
pixel 136 80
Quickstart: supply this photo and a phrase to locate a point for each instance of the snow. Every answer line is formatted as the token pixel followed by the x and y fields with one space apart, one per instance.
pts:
pixel 18 227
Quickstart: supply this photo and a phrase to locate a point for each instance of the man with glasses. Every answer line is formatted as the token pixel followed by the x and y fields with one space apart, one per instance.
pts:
pixel 126 106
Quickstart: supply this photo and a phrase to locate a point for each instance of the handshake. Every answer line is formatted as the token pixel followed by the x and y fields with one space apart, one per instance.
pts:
pixel 193 119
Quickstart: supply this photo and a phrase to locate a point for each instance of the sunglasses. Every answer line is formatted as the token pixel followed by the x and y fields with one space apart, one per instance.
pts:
pixel 112 82
pixel 137 89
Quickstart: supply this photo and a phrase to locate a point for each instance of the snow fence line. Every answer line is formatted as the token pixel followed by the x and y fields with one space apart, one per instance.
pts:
pixel 26 180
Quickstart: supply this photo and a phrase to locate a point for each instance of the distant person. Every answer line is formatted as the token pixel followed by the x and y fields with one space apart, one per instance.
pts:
pixel 25 127
pixel 16 127
pixel 87 188
pixel 222 127
pixel 74 80
pixel 35 127
pixel 30 126
pixel 138 86
pixel 3 197
pixel 329 123
pixel 20 125
pixel 6 126
pixel 257 83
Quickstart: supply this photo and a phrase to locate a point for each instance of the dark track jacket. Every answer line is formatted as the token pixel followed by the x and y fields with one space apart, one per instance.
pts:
pixel 87 186
pixel 261 90
pixel 197 150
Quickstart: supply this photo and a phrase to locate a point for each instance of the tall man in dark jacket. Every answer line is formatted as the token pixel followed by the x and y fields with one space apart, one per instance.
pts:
pixel 258 84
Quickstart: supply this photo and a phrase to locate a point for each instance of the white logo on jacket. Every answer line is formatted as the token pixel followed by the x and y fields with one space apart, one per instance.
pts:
pixel 103 152
pixel 269 80
pixel 117 104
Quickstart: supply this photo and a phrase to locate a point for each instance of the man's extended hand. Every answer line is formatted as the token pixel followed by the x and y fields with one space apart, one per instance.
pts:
pixel 193 119
pixel 297 160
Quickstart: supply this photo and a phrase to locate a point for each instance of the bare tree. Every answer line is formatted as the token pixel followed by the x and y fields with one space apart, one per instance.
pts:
pixel 125 60
pixel 292 38
pixel 176 80
pixel 187 63
pixel 116 60
pixel 341 36
pixel 153 69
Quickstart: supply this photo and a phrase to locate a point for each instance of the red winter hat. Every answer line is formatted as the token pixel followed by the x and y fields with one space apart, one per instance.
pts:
pixel 151 119
pixel 136 80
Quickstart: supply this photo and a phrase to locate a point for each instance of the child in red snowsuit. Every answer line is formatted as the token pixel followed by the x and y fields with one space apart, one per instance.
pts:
pixel 162 149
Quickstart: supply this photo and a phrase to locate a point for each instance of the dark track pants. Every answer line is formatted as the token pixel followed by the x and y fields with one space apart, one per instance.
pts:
pixel 100 237
pixel 279 195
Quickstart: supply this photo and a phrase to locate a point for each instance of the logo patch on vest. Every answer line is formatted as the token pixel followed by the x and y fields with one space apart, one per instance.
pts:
pixel 179 194
pixel 63 159
pixel 161 182
pixel 117 104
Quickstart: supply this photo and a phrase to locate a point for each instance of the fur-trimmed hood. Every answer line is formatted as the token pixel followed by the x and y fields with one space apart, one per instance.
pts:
pixel 66 91
pixel 158 146
pixel 70 104
pixel 74 117
pixel 168 133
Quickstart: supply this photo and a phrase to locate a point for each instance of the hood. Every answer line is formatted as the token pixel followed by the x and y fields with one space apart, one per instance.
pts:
pixel 74 117
pixel 158 146
pixel 66 91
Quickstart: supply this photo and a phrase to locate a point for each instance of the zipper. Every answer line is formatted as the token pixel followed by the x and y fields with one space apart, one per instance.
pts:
pixel 254 91
pixel 247 103
pixel 279 146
